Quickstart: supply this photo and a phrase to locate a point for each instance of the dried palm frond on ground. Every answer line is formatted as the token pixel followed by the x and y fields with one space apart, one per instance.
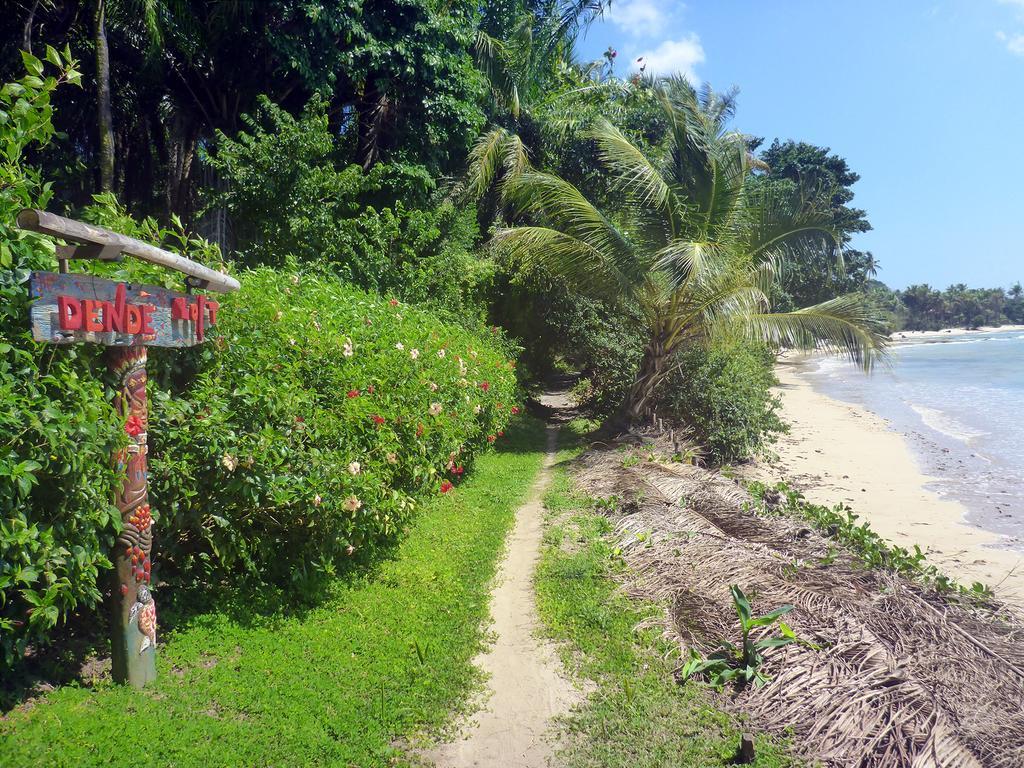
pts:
pixel 901 676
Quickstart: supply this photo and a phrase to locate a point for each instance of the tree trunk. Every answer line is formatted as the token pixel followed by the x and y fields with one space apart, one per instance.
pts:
pixel 26 34
pixel 104 112
pixel 639 403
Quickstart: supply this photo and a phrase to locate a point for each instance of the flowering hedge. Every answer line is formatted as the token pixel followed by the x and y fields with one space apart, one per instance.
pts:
pixel 316 417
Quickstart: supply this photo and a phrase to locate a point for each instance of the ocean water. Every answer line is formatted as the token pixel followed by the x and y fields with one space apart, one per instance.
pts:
pixel 959 400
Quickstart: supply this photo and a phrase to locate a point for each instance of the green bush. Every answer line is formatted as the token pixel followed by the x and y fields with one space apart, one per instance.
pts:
pixel 723 394
pixel 317 416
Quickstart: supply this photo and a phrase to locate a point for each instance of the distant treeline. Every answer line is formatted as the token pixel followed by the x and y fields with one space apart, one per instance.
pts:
pixel 923 308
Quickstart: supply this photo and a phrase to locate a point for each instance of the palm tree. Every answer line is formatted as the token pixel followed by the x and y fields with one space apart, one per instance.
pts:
pixel 693 245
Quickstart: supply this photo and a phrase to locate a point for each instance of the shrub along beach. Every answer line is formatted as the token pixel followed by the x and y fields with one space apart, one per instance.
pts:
pixel 435 262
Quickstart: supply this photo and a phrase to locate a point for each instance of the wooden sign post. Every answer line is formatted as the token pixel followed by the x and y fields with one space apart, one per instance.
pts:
pixel 126 318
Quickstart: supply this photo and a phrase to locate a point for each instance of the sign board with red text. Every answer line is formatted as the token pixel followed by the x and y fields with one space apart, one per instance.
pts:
pixel 71 307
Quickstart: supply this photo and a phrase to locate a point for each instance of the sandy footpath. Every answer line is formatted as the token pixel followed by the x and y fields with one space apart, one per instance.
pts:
pixel 837 452
pixel 527 689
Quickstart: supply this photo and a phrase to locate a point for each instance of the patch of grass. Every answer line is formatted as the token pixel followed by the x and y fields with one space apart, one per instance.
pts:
pixel 637 716
pixel 381 659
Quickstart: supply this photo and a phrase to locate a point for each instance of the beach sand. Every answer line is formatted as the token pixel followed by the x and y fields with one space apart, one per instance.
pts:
pixel 838 452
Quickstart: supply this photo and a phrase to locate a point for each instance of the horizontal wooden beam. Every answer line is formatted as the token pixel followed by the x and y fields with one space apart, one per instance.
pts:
pixel 57 226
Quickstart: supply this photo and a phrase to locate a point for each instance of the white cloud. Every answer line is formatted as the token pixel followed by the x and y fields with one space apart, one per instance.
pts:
pixel 673 56
pixel 1014 43
pixel 638 18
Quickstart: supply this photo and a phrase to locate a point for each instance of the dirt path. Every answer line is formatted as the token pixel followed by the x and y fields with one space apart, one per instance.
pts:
pixel 526 688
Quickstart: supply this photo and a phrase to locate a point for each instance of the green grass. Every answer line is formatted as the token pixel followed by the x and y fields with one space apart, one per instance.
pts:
pixel 637 716
pixel 380 660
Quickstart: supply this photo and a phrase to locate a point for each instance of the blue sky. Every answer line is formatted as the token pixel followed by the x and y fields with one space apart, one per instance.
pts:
pixel 924 98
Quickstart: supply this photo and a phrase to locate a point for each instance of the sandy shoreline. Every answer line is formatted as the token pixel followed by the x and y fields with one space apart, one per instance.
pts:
pixel 838 452
pixel 946 332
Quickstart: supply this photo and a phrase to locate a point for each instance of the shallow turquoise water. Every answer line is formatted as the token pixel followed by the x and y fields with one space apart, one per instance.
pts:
pixel 960 402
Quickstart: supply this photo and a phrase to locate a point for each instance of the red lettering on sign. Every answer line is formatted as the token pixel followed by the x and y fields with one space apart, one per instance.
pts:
pixel 117 313
pixel 91 310
pixel 134 319
pixel 70 312
pixel 147 318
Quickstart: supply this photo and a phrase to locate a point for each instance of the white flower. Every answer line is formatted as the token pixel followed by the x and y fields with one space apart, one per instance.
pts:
pixel 392 458
pixel 435 409
pixel 399 346
pixel 354 468
pixel 441 353
pixel 414 353
pixel 278 315
pixel 229 462
pixel 295 279
pixel 292 342
pixel 476 409
pixel 346 350
pixel 352 503
pixel 432 386
pixel 317 501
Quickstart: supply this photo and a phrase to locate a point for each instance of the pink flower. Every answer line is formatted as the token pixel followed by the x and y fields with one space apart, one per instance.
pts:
pixel 446 486
pixel 352 503
pixel 393 302
pixel 485 386
pixel 515 410
pixel 501 433
pixel 491 438
pixel 435 409
pixel 458 470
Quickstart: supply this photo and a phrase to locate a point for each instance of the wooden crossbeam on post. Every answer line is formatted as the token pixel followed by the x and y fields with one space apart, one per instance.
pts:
pixel 127 318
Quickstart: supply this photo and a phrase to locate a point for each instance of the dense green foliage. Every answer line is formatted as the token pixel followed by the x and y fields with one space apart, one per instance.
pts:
pixel 923 308
pixel 57 425
pixel 724 395
pixel 299 439
pixel 637 715
pixel 258 682
pixel 289 193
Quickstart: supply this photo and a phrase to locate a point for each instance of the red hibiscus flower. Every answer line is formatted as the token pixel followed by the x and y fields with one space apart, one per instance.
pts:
pixel 457 471
pixel 393 302
pixel 353 393
pixel 515 410
pixel 378 420
pixel 501 433
pixel 133 426
pixel 491 438
pixel 371 389
pixel 485 386
pixel 447 486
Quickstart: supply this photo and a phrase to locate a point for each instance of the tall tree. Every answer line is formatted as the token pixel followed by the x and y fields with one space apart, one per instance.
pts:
pixel 104 113
pixel 693 243
pixel 827 179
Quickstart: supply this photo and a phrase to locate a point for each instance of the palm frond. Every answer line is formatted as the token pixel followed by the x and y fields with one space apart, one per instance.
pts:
pixel 566 256
pixel 846 324
pixel 562 206
pixel 635 175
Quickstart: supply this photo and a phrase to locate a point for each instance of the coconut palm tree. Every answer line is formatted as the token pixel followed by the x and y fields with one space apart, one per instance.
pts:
pixel 693 244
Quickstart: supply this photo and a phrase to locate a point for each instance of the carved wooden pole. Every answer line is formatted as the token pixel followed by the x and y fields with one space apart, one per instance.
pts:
pixel 133 611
